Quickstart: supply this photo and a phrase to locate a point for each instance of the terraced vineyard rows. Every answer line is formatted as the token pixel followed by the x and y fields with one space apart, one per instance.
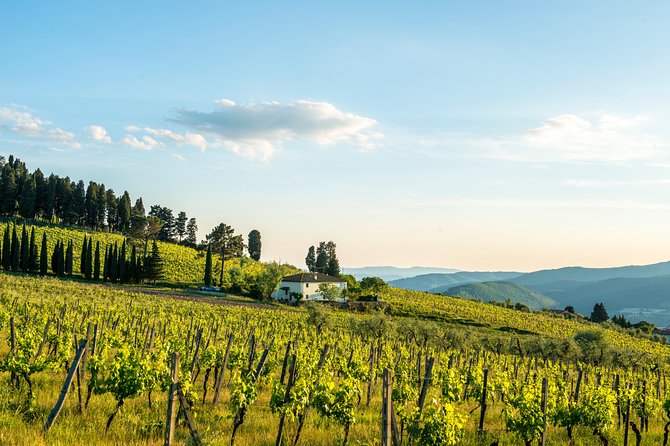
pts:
pixel 244 371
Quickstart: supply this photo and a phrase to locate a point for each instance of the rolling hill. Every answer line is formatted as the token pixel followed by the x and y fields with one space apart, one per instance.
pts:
pixel 501 291
pixel 394 273
pixel 441 282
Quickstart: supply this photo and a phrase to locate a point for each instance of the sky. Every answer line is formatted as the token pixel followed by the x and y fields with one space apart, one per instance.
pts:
pixel 476 135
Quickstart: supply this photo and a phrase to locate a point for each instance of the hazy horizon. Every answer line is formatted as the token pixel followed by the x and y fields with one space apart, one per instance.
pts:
pixel 480 136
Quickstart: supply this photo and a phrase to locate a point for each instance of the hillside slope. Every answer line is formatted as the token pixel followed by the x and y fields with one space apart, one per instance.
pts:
pixel 580 274
pixel 442 282
pixel 502 291
pixel 637 298
pixel 182 264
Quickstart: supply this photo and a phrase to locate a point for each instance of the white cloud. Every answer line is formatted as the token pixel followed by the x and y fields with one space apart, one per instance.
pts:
pixel 603 184
pixel 191 139
pixel 98 133
pixel 178 157
pixel 225 102
pixel 257 130
pixel 609 138
pixel 23 122
pixel 146 143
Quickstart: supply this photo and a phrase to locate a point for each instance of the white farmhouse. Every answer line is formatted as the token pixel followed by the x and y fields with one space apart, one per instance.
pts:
pixel 307 286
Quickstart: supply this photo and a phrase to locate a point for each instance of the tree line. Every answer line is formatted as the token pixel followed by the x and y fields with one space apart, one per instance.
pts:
pixel 117 263
pixel 323 259
pixel 32 195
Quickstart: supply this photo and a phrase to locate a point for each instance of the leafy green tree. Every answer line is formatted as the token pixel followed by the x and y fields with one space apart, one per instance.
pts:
pixel 180 225
pixel 208 266
pixel 124 212
pixel 112 205
pixel 144 229
pixel 321 258
pixel 224 241
pixel 44 255
pixel 122 262
pixel 373 285
pixel 599 313
pixel 255 245
pixel 333 267
pixel 310 260
pixel 28 198
pixel 9 191
pixel 329 291
pixel 192 232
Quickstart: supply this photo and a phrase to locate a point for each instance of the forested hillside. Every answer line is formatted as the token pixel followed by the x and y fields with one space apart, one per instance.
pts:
pixel 502 292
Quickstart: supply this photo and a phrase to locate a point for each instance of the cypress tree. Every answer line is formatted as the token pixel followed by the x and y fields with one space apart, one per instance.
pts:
pixel 24 262
pixel 6 250
pixel 61 260
pixel 208 266
pixel 88 267
pixel 54 258
pixel 16 251
pixel 132 272
pixel 32 254
pixel 114 263
pixel 154 264
pixel 96 263
pixel 44 255
pixel 105 270
pixel 82 258
pixel 139 270
pixel 69 261
pixel 122 263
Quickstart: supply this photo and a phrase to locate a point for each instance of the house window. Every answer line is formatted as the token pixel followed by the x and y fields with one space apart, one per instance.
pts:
pixel 307 285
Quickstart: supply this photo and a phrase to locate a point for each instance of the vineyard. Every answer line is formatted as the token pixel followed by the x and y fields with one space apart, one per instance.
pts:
pixel 246 375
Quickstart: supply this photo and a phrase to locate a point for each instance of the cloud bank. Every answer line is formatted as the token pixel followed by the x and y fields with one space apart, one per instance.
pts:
pixel 24 123
pixel 608 138
pixel 258 130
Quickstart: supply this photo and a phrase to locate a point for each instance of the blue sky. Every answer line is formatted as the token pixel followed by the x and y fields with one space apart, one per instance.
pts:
pixel 476 135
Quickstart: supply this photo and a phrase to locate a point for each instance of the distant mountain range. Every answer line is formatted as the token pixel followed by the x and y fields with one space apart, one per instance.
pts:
pixel 389 273
pixel 439 283
pixel 640 292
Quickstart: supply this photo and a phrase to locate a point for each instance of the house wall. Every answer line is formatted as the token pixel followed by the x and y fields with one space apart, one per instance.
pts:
pixel 307 289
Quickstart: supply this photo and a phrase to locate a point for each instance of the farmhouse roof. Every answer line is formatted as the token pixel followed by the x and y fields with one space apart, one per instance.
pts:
pixel 312 278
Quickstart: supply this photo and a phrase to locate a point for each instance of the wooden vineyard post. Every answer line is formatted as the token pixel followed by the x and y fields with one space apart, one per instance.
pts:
pixel 426 382
pixel 219 378
pixel 579 385
pixel 66 385
pixel 289 385
pixel 187 413
pixel 387 434
pixel 371 376
pixel 482 414
pixel 627 418
pixel 543 439
pixel 198 340
pixel 171 415
pixel 12 342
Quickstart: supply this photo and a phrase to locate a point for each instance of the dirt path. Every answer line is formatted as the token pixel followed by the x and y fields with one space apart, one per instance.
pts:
pixel 222 299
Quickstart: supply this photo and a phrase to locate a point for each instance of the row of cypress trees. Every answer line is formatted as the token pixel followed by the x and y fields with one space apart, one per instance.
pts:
pixel 113 266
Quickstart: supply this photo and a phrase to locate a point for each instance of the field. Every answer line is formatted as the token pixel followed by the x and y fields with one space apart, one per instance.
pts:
pixel 132 337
